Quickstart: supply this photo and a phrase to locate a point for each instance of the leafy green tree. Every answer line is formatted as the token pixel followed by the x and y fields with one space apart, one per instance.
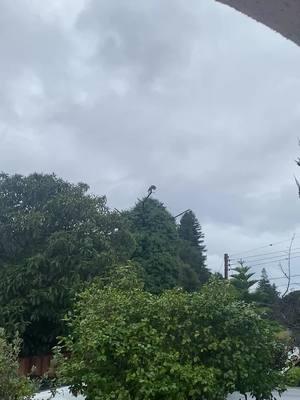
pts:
pixel 12 386
pixel 242 281
pixel 131 344
pixel 157 244
pixel 192 249
pixel 54 237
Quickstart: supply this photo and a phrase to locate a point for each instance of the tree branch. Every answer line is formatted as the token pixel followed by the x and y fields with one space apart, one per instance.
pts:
pixel 288 274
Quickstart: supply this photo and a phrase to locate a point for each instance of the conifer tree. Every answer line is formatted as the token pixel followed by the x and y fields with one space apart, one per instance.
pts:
pixel 192 249
pixel 266 292
pixel 241 280
pixel 157 244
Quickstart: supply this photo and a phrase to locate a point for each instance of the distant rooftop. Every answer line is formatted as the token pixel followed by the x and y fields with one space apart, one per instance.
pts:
pixel 282 16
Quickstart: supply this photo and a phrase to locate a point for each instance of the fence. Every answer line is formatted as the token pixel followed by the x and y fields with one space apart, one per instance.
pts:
pixel 36 365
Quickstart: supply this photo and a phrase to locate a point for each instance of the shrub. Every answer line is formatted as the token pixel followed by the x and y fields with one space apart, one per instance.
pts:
pixel 177 345
pixel 293 377
pixel 12 386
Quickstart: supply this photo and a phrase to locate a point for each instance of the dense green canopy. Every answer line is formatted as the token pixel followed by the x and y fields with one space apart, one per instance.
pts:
pixel 170 255
pixel 266 293
pixel 130 344
pixel 157 240
pixel 54 236
pixel 192 249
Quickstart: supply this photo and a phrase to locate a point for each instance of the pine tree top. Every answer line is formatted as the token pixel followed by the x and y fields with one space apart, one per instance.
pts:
pixel 190 229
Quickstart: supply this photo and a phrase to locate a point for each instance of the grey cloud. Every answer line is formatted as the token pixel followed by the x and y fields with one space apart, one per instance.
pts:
pixel 142 37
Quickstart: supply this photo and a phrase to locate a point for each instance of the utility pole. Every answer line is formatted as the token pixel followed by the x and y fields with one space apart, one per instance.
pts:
pixel 226 266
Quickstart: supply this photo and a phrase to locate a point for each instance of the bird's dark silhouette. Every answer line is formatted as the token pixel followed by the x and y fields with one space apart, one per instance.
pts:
pixel 151 189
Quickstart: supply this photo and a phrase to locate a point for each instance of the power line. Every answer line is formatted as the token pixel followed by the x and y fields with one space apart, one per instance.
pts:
pixel 262 254
pixel 279 257
pixel 269 262
pixel 272 262
pixel 249 251
pixel 282 277
pixel 263 247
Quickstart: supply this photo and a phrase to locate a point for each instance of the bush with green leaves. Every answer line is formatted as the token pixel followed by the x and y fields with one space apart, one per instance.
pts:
pixel 293 377
pixel 133 345
pixel 12 385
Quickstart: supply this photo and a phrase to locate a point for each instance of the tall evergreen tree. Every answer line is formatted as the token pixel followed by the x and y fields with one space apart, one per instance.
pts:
pixel 157 244
pixel 266 293
pixel 267 298
pixel 190 230
pixel 192 248
pixel 242 281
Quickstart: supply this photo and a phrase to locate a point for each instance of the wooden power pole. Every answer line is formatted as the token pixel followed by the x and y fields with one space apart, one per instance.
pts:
pixel 226 266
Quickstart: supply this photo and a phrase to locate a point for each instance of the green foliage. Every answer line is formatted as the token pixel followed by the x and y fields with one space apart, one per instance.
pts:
pixel 267 299
pixel 54 237
pixel 190 230
pixel 192 251
pixel 125 277
pixel 242 281
pixel 157 240
pixel 266 293
pixel 12 386
pixel 170 256
pixel 188 278
pixel 290 313
pixel 134 345
pixel 293 377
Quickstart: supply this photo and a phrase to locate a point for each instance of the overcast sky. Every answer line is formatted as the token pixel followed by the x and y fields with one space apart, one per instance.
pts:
pixel 190 96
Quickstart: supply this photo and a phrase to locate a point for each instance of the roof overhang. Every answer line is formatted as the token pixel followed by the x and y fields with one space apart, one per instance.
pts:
pixel 282 16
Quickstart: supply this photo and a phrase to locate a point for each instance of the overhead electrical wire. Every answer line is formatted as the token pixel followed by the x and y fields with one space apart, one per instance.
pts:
pixel 279 257
pixel 262 247
pixel 255 258
pixel 282 277
pixel 262 254
pixel 275 261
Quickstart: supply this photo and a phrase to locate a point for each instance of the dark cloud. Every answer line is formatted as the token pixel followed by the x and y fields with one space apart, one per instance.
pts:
pixel 139 38
pixel 191 96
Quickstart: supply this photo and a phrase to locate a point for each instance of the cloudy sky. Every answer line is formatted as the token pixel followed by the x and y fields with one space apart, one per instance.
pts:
pixel 190 96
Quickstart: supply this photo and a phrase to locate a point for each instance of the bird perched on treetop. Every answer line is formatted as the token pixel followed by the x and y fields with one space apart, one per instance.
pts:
pixel 151 189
